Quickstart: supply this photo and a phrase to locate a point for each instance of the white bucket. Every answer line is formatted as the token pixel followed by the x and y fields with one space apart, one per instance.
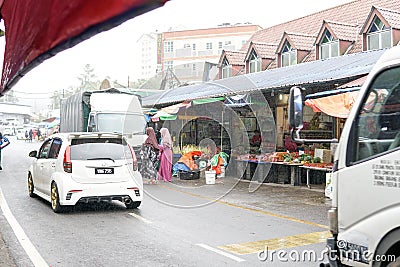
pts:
pixel 210 177
pixel 222 174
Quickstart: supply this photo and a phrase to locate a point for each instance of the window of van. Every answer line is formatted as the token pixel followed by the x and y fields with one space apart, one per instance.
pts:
pixel 377 125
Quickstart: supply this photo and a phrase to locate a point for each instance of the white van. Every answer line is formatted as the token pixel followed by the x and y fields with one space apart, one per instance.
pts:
pixel 365 214
pixel 20 133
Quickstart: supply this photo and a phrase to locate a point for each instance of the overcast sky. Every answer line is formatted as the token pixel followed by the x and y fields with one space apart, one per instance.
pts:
pixel 112 53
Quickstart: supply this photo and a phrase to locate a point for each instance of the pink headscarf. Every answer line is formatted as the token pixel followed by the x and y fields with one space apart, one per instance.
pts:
pixel 165 137
pixel 151 138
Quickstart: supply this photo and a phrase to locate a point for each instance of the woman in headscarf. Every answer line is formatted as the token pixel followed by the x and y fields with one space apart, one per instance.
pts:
pixel 149 155
pixel 165 171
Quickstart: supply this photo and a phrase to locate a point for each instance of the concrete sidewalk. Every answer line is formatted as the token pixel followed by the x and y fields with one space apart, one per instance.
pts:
pixel 5 258
pixel 297 202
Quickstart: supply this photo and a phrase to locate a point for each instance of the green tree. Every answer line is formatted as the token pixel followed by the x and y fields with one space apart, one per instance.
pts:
pixel 58 95
pixel 88 80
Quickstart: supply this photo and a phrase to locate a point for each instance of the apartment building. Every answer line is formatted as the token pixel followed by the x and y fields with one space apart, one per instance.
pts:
pixel 193 55
pixel 147 63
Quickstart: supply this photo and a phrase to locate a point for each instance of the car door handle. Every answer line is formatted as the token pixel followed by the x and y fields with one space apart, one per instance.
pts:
pixel 41 166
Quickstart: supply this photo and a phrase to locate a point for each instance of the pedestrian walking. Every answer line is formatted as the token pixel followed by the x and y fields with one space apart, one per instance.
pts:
pixel 149 155
pixel 26 135
pixel 30 135
pixel 3 143
pixel 165 171
pixel 39 135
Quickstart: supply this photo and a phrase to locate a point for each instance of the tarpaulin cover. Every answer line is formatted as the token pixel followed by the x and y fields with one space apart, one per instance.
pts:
pixel 38 29
pixel 338 105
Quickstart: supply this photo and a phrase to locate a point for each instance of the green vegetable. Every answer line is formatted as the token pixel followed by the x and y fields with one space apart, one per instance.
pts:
pixel 317 160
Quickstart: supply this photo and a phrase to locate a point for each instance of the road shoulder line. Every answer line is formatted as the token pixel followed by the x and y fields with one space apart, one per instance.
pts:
pixel 23 239
pixel 220 252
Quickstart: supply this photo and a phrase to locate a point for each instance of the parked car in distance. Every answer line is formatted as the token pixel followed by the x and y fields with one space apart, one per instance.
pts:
pixel 8 130
pixel 85 167
pixel 20 132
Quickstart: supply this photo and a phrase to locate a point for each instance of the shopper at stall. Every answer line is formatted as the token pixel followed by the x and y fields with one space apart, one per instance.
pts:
pixel 289 144
pixel 256 139
pixel 165 171
pixel 149 155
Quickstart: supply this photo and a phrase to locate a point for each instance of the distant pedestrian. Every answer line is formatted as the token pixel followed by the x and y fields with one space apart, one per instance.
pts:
pixel 39 134
pixel 165 171
pixel 26 135
pixel 30 135
pixel 3 143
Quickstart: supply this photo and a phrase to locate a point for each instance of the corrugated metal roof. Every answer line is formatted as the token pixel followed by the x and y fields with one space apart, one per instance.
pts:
pixel 319 71
pixel 332 92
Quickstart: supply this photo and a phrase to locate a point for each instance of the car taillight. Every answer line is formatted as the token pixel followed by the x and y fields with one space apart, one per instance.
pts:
pixel 67 164
pixel 134 159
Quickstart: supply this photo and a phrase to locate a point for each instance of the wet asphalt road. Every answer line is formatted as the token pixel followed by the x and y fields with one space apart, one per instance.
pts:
pixel 183 223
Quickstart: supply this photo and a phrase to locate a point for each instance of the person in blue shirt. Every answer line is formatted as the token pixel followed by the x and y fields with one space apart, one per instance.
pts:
pixel 3 143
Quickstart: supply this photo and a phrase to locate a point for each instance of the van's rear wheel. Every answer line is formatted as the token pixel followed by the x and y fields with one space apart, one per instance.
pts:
pixel 55 199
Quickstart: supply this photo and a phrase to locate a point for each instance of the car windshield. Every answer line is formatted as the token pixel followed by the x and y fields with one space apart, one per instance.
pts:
pixel 121 123
pixel 99 148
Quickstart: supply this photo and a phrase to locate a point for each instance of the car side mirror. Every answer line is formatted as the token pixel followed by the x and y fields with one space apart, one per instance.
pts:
pixel 296 108
pixel 33 154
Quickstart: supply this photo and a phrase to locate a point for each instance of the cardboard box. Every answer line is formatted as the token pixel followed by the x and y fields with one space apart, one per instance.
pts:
pixel 324 154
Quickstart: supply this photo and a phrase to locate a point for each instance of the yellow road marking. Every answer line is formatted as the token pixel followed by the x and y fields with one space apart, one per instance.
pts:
pixel 280 216
pixel 277 243
pixel 140 218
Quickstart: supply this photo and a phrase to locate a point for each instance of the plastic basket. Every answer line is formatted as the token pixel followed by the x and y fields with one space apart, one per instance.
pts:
pixel 188 175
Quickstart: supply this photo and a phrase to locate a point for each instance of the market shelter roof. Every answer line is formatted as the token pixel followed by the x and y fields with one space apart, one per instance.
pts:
pixel 321 71
pixel 30 40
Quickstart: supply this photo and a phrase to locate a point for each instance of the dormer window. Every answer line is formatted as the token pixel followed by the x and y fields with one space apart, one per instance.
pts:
pixel 254 62
pixel 289 55
pixel 328 47
pixel 226 69
pixel 378 36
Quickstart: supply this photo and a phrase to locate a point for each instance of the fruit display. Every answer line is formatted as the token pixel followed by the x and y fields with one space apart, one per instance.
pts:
pixel 285 157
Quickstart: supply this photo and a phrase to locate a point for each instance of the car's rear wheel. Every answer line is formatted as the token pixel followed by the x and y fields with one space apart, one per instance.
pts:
pixel 31 186
pixel 55 198
pixel 133 204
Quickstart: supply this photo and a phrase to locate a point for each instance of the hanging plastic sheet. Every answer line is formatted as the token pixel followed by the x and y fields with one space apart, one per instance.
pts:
pixel 36 30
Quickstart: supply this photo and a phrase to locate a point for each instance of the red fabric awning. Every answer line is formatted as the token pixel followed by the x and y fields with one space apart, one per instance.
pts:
pixel 36 30
pixel 335 105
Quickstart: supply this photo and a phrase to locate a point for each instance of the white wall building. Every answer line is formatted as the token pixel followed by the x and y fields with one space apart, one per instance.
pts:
pixel 187 51
pixel 16 114
pixel 146 56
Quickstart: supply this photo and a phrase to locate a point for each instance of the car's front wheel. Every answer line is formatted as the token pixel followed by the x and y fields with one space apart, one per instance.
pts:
pixel 31 186
pixel 55 198
pixel 133 204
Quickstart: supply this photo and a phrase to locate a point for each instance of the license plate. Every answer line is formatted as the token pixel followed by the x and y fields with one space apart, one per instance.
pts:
pixel 104 170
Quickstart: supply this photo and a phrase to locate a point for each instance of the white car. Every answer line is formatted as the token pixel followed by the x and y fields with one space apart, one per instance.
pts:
pixel 85 167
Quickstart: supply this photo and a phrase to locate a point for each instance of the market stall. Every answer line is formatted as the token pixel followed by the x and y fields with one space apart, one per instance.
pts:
pixel 282 167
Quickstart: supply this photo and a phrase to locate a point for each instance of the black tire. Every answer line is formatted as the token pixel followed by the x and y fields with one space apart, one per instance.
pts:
pixel 55 199
pixel 133 204
pixel 389 246
pixel 31 186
